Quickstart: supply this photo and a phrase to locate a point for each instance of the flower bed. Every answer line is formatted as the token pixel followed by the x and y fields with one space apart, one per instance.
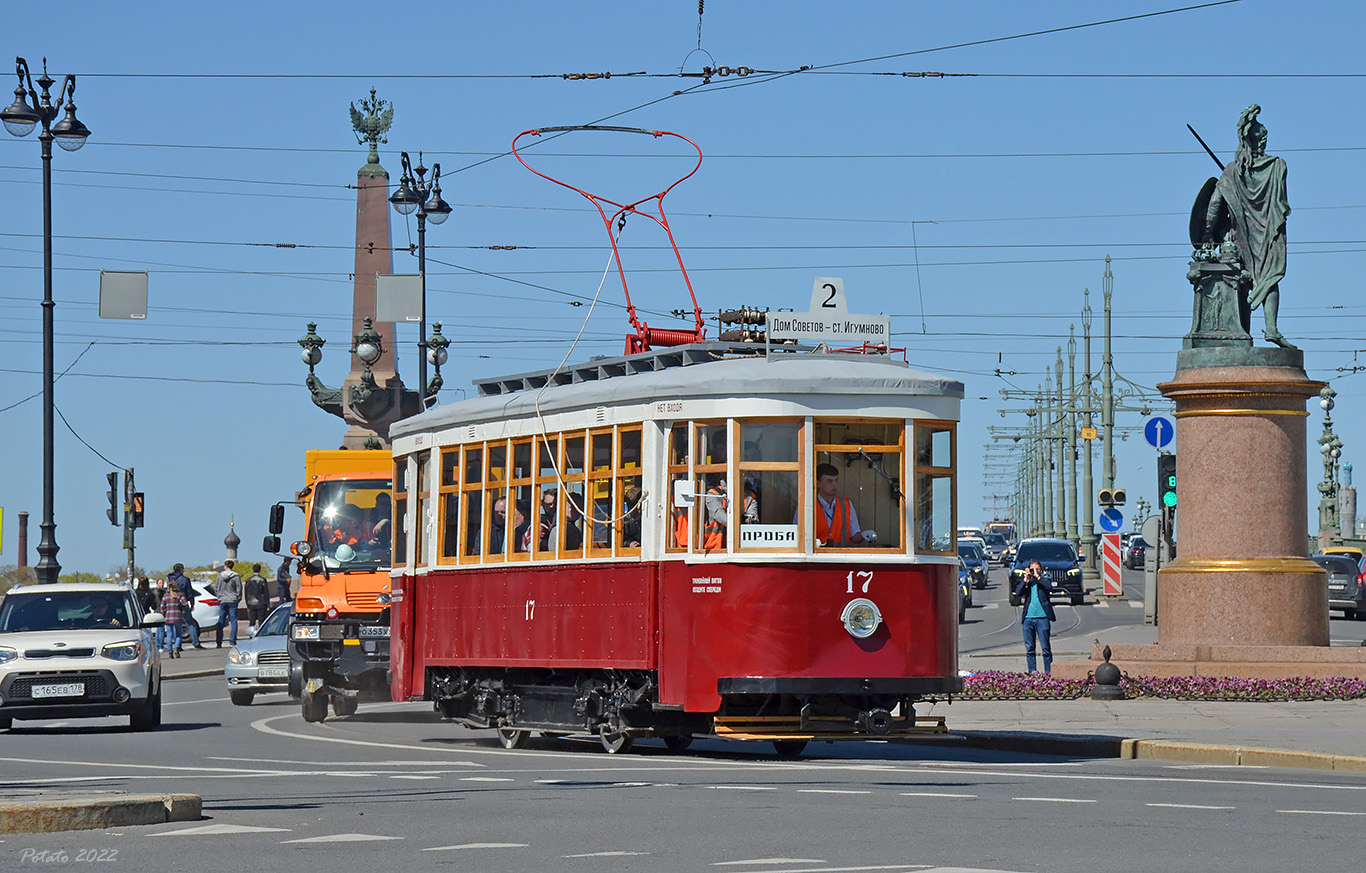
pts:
pixel 995 685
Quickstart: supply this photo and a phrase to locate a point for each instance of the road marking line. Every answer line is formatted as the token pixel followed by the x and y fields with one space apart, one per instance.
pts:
pixel 770 861
pixel 855 869
pixel 1136 604
pixel 742 788
pixel 936 794
pixel 415 777
pixel 1317 812
pixel 476 846
pixel 219 829
pixel 993 605
pixel 344 838
pixel 605 855
pixel 831 791
pixel 1054 799
pixel 1186 806
pixel 1101 604
pixel 485 779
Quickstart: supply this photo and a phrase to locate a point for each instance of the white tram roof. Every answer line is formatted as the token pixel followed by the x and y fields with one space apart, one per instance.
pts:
pixel 701 370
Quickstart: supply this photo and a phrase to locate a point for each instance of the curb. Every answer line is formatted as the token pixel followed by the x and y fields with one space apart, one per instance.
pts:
pixel 191 674
pixel 1087 746
pixel 89 812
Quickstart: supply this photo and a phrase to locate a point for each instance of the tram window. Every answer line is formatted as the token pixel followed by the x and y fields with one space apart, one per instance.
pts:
pixel 423 503
pixel 599 533
pixel 570 534
pixel 770 489
pixel 400 511
pixel 523 522
pixel 546 510
pixel 712 448
pixel 676 538
pixel 496 541
pixel 858 484
pixel 573 457
pixel 472 499
pixel 450 504
pixel 628 489
pixel 521 460
pixel 934 475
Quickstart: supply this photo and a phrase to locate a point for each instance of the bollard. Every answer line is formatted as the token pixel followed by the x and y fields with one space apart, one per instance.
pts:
pixel 1106 686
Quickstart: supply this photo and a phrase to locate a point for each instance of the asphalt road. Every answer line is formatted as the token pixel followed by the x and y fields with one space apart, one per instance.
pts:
pixel 393 789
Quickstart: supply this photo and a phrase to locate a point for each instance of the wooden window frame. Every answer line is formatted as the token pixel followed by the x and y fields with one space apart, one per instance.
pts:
pixel 441 504
pixel 799 466
pixel 899 449
pixel 951 471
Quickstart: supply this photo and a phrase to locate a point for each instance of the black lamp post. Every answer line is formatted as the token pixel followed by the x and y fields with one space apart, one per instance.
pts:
pixel 415 193
pixel 19 119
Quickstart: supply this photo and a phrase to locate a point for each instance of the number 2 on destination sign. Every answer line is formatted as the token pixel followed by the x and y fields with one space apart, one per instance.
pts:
pixel 865 575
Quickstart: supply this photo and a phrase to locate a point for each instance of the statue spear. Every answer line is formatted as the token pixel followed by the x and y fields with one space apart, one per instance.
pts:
pixel 1218 162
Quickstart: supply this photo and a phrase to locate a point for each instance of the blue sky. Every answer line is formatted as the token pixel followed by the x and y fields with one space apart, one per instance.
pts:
pixel 973 209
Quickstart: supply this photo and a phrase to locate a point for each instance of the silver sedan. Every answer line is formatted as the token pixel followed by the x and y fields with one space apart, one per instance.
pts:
pixel 260 664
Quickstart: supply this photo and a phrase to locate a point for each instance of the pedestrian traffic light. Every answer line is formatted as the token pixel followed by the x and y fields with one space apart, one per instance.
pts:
pixel 137 509
pixel 1166 479
pixel 113 495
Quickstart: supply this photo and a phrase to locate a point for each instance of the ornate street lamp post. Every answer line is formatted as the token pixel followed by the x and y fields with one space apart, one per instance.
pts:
pixel 19 119
pixel 1331 447
pixel 415 193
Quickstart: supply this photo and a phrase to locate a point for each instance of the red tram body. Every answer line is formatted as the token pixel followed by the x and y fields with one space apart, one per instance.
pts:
pixel 561 566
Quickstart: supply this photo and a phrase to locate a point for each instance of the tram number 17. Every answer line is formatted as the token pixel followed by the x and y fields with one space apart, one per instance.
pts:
pixel 530 610
pixel 865 575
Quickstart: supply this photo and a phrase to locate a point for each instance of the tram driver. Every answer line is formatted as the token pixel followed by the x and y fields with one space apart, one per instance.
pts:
pixel 836 520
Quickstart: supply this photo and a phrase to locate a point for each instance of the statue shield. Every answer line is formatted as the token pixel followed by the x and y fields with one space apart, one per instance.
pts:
pixel 1198 211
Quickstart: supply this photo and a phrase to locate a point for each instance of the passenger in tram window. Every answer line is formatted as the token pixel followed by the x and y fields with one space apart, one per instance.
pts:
pixel 718 514
pixel 573 524
pixel 630 524
pixel 836 520
pixel 752 452
pixel 549 503
pixel 498 527
pixel 521 531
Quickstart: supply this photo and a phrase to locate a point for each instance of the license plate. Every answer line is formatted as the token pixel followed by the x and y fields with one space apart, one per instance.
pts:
pixel 368 631
pixel 70 689
pixel 1337 587
pixel 272 672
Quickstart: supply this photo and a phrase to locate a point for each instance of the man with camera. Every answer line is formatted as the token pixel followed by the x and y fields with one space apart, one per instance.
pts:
pixel 1035 595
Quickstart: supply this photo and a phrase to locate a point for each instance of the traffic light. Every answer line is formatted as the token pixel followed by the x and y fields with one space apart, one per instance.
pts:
pixel 1166 479
pixel 1111 497
pixel 113 495
pixel 137 509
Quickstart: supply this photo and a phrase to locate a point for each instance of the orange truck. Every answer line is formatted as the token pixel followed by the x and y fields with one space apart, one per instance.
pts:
pixel 339 631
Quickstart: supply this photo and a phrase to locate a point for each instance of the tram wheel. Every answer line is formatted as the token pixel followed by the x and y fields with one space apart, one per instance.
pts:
pixel 314 706
pixel 678 743
pixel 344 705
pixel 789 748
pixel 511 738
pixel 615 743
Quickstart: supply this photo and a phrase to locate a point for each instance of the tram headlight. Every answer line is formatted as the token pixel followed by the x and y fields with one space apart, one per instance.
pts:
pixel 861 618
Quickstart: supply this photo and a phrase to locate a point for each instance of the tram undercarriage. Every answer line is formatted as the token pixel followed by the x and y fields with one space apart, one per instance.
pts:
pixel 619 706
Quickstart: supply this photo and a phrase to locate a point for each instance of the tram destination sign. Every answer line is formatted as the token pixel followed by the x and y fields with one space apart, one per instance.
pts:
pixel 829 319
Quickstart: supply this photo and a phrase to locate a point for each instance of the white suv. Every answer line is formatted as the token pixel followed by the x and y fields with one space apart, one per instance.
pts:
pixel 75 650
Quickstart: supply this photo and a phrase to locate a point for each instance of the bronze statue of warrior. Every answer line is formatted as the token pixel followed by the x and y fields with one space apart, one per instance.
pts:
pixel 1250 198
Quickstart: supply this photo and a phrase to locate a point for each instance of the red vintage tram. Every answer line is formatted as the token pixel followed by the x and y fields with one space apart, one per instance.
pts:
pixel 710 539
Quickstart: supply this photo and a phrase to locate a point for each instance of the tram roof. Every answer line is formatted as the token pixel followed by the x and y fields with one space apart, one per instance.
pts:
pixel 698 370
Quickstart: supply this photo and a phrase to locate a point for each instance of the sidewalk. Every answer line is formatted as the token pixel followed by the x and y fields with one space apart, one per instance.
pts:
pixel 1312 734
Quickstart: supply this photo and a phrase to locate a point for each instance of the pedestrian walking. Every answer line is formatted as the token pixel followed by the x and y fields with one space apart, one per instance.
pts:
pixel 258 596
pixel 229 590
pixel 173 610
pixel 146 599
pixel 179 581
pixel 158 596
pixel 282 581
pixel 1036 596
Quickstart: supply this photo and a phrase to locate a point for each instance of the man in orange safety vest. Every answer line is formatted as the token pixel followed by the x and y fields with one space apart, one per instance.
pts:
pixel 836 521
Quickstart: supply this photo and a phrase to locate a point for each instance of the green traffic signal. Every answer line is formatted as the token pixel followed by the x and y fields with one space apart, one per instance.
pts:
pixel 1169 499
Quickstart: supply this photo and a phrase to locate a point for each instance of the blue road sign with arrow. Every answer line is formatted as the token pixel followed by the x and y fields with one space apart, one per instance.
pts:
pixel 1111 519
pixel 1158 431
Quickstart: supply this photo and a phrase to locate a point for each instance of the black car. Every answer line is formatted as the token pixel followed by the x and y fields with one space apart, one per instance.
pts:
pixel 1135 553
pixel 1060 566
pixel 976 559
pixel 1346 591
